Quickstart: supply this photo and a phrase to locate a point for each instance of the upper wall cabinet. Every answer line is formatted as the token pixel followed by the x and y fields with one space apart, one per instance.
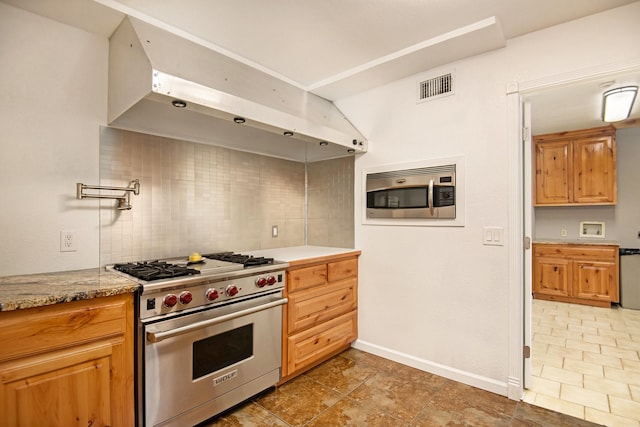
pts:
pixel 576 168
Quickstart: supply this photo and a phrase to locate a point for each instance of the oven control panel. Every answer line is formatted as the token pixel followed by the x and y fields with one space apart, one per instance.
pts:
pixel 173 300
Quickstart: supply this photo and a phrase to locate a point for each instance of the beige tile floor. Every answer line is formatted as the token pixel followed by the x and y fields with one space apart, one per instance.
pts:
pixel 586 362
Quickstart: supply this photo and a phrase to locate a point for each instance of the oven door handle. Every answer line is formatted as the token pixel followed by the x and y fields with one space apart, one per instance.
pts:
pixel 154 337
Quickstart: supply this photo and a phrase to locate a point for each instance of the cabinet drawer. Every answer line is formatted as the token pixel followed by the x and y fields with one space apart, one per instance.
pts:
pixel 47 328
pixel 594 252
pixel 307 309
pixel 343 269
pixel 307 347
pixel 306 277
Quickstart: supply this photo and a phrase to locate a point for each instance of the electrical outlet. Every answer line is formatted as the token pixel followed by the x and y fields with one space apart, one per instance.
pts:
pixel 563 233
pixel 274 231
pixel 638 234
pixel 68 241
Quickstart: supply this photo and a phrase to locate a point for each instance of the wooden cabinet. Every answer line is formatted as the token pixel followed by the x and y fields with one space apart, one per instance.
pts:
pixel 320 319
pixel 68 364
pixel 576 168
pixel 583 274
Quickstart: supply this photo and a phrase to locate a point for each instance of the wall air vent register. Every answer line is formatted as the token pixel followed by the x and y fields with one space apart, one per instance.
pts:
pixel 435 87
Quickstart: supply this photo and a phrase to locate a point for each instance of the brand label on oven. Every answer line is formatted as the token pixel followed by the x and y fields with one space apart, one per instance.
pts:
pixel 225 377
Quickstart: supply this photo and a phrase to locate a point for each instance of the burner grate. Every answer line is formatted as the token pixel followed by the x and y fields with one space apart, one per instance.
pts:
pixel 154 270
pixel 246 260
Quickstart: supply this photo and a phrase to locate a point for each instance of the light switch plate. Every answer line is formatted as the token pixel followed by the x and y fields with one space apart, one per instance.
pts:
pixel 493 236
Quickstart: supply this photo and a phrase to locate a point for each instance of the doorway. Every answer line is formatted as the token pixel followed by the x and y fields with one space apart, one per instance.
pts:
pixel 557 92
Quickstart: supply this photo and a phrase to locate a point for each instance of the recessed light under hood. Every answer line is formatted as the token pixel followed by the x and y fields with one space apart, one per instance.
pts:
pixel 151 68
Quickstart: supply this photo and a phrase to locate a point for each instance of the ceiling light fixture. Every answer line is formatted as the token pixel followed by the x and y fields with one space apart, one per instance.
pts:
pixel 288 133
pixel 239 120
pixel 178 103
pixel 617 103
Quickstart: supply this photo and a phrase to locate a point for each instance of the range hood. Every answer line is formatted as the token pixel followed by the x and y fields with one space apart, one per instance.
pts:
pixel 163 84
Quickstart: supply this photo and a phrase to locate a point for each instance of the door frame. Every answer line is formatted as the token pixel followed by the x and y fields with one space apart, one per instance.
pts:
pixel 520 192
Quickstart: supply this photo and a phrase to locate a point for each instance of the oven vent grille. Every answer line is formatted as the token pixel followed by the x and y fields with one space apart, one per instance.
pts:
pixel 436 87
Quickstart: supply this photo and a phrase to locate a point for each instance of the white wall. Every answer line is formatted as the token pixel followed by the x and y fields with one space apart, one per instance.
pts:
pixel 436 297
pixel 53 86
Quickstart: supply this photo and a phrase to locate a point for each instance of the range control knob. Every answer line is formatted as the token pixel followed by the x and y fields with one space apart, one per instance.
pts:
pixel 231 290
pixel 185 297
pixel 170 300
pixel 211 294
pixel 261 282
pixel 271 280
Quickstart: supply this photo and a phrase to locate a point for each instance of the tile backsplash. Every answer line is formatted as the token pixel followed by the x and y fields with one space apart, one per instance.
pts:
pixel 330 203
pixel 198 197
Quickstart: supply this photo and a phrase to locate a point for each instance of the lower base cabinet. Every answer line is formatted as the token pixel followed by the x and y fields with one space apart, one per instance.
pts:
pixel 321 317
pixel 68 365
pixel 582 274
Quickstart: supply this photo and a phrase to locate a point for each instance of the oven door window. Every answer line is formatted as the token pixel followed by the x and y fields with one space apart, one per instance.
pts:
pixel 219 351
pixel 400 198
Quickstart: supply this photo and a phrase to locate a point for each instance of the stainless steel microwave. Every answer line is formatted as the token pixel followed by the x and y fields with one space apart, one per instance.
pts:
pixel 412 193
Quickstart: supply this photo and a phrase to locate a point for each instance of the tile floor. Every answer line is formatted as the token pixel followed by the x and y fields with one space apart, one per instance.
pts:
pixel 359 389
pixel 585 362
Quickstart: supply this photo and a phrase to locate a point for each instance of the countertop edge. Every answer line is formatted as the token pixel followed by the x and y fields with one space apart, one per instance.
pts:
pixel 576 242
pixel 43 289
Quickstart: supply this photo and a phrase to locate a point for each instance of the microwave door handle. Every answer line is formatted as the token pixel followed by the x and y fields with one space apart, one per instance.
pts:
pixel 430 197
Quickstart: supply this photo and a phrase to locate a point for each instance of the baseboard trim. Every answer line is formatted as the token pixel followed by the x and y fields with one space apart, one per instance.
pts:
pixel 454 374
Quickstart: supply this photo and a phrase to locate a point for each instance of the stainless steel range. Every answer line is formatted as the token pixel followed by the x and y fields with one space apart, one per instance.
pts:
pixel 209 334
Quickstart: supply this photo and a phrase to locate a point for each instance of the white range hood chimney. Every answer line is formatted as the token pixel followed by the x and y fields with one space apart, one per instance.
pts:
pixel 151 68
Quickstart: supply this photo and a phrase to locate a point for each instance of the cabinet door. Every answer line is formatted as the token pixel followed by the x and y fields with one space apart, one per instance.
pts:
pixel 553 172
pixel 551 277
pixel 68 364
pixel 594 280
pixel 594 170
pixel 62 388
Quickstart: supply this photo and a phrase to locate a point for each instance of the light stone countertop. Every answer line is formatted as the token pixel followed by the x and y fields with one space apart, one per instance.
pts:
pixel 37 290
pixel 295 254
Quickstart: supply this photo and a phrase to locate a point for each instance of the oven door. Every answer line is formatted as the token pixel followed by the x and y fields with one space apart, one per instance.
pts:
pixel 199 364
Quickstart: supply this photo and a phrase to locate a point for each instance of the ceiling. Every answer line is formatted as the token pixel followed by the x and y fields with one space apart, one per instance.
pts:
pixel 336 48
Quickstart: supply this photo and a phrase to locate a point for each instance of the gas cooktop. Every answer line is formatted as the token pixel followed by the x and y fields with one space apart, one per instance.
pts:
pixel 209 264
